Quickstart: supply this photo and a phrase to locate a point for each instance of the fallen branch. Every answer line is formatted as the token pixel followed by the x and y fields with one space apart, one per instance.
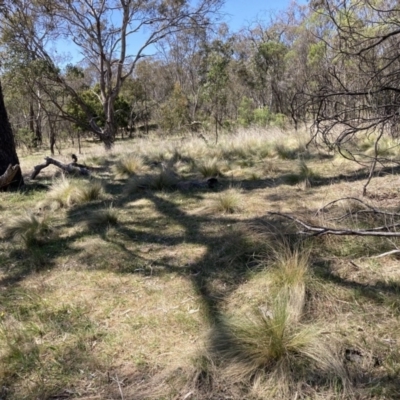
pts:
pixel 370 208
pixel 315 230
pixel 8 175
pixel 68 168
pixel 388 253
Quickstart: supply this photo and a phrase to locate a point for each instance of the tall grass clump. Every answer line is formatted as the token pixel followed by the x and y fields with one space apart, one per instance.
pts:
pixel 62 191
pixel 89 191
pixel 127 166
pixel 305 175
pixel 275 348
pixel 105 217
pixel 66 192
pixel 289 267
pixel 229 201
pixel 284 152
pixel 164 180
pixel 210 168
pixel 386 148
pixel 272 346
pixel 29 228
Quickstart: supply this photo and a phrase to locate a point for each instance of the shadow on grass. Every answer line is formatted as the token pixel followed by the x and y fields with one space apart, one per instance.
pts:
pixel 381 293
pixel 225 264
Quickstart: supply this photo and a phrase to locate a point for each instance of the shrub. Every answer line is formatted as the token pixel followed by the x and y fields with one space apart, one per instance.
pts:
pixel 245 112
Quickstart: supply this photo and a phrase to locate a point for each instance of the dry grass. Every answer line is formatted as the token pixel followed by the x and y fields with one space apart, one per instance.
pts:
pixel 128 165
pixel 271 345
pixel 119 301
pixel 67 192
pixel 229 201
pixel 164 180
pixel 210 168
pixel 30 228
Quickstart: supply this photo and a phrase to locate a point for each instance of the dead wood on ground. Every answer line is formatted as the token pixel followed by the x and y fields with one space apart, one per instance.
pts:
pixel 71 168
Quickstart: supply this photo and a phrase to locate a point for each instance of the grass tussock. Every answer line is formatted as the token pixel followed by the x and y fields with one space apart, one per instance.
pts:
pixel 30 228
pixel 67 192
pixel 305 175
pixel 274 349
pixel 89 192
pixel 387 147
pixel 284 152
pixel 272 345
pixel 210 168
pixel 229 201
pixel 107 217
pixel 127 166
pixel 164 180
pixel 289 266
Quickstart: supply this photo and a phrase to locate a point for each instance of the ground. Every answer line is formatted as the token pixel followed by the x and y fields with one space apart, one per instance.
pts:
pixel 126 285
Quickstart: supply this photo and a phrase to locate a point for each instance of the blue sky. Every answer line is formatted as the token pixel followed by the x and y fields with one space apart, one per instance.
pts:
pixel 237 14
pixel 242 12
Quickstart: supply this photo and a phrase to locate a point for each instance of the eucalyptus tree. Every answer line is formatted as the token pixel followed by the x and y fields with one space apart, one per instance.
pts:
pixel 102 32
pixel 182 55
pixel 215 78
pixel 8 154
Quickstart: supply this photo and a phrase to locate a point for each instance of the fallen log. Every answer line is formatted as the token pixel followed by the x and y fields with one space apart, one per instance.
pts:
pixel 71 168
pixel 8 175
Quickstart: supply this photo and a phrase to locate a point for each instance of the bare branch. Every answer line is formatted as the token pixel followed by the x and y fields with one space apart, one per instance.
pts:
pixel 315 230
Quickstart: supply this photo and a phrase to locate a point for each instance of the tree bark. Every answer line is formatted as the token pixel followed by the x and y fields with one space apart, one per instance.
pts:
pixel 8 176
pixel 8 154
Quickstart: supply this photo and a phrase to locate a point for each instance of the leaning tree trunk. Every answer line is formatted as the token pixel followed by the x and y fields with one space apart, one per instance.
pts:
pixel 8 154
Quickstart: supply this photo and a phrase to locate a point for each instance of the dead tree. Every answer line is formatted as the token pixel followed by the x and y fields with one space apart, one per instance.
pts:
pixel 71 168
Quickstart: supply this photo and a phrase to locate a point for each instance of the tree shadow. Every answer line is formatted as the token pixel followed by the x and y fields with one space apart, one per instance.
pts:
pixel 225 264
pixel 381 292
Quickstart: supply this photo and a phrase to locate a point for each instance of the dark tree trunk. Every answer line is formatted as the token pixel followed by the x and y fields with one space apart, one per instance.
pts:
pixel 8 154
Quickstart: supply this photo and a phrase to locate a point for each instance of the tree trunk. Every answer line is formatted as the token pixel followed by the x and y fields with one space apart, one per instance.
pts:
pixel 8 154
pixel 52 136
